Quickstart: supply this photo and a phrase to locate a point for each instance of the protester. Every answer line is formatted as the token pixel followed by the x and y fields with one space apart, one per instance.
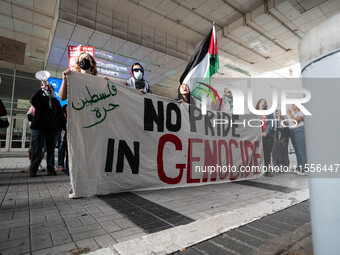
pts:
pixel 227 101
pixel 297 136
pixel 136 79
pixel 267 135
pixel 30 114
pixel 3 112
pixel 215 106
pixel 281 139
pixel 85 64
pixel 47 122
pixel 183 94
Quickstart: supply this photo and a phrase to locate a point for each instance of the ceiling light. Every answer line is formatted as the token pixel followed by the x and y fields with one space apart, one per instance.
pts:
pixel 237 69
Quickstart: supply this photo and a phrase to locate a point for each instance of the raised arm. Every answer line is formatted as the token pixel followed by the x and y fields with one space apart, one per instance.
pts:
pixel 63 88
pixel 297 118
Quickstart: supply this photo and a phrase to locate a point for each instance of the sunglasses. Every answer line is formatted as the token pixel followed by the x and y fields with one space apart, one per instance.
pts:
pixel 138 69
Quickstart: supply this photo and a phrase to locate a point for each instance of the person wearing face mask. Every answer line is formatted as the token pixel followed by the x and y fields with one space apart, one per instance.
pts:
pixel 136 79
pixel 85 64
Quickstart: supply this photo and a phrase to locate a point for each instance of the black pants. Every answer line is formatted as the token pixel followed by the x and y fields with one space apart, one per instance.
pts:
pixel 37 143
pixel 267 149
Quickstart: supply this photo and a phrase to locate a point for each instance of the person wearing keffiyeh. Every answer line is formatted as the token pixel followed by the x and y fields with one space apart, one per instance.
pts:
pixel 137 79
pixel 227 101
pixel 46 123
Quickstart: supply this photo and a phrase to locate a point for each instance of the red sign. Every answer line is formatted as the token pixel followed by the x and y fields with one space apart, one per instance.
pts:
pixel 73 53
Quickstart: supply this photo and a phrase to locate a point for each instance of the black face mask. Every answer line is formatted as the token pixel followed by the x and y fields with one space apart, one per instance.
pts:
pixel 84 64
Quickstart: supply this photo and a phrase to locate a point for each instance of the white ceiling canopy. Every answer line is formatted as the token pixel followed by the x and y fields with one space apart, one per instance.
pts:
pixel 254 36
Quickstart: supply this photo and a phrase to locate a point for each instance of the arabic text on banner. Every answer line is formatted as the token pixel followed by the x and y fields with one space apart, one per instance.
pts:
pixel 121 140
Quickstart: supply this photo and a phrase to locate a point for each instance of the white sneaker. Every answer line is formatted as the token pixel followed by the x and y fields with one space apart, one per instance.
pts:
pixel 294 170
pixel 71 194
pixel 301 172
pixel 41 169
pixel 27 170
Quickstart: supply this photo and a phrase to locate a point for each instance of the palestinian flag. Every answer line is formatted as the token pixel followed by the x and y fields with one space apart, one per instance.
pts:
pixel 202 65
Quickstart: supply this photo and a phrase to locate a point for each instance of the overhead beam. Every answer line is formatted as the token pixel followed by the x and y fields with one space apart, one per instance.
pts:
pixel 27 34
pixel 248 24
pixel 221 26
pixel 269 13
pixel 27 21
pixel 190 28
pixel 50 15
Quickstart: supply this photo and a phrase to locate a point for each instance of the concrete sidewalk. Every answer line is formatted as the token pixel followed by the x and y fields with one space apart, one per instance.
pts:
pixel 285 232
pixel 37 217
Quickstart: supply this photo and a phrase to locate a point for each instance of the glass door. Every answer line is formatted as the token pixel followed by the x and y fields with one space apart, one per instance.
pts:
pixel 17 136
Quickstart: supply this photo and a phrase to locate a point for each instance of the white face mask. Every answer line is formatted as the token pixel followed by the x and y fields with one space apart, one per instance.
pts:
pixel 138 75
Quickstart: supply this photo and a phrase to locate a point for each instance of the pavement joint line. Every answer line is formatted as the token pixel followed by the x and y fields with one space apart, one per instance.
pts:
pixel 277 246
pixel 3 199
pixel 267 186
pixel 29 214
pixel 62 219
pixel 220 246
pixel 174 239
pixel 238 241
pixel 261 230
pixel 71 236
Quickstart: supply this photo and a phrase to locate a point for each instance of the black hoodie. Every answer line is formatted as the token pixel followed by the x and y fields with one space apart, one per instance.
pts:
pixel 47 119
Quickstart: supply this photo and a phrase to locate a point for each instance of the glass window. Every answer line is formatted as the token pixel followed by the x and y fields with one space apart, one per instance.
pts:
pixel 6 71
pixel 23 92
pixel 6 90
pixel 25 75
pixel 25 86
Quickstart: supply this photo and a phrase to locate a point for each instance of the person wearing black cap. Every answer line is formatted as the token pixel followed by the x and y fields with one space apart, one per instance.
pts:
pixel 136 79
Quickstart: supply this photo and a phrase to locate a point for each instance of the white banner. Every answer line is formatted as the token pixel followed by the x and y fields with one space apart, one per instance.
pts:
pixel 121 140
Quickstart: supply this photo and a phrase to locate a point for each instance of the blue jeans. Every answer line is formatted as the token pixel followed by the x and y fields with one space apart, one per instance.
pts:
pixel 61 151
pixel 297 136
